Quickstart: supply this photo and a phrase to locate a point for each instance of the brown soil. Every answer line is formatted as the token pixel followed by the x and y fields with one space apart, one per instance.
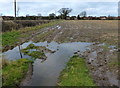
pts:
pixel 103 65
pixel 82 30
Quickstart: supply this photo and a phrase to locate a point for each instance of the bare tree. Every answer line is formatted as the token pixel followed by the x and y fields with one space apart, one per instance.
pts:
pixel 18 10
pixel 27 15
pixel 83 14
pixel 64 12
pixel 39 16
pixel 52 16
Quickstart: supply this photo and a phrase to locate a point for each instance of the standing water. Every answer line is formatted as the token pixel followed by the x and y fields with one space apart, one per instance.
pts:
pixel 46 73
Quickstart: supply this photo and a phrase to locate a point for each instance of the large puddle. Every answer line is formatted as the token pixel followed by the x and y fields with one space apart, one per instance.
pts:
pixel 46 73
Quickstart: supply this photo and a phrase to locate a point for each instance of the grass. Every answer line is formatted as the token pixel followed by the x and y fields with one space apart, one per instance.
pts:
pixel 4 62
pixel 32 46
pixel 106 47
pixel 9 38
pixel 14 71
pixel 12 37
pixel 37 54
pixel 42 37
pixel 76 74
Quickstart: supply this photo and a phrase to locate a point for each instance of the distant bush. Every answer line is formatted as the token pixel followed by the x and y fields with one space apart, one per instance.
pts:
pixel 12 25
pixel 8 25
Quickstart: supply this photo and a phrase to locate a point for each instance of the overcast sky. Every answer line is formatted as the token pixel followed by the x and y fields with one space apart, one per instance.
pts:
pixel 45 7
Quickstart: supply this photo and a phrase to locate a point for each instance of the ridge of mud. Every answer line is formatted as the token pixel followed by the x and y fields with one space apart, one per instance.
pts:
pixel 98 61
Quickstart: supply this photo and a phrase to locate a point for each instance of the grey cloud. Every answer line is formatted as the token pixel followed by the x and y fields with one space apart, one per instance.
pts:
pixel 33 8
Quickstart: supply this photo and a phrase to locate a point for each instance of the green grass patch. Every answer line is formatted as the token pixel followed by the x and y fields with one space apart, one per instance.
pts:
pixel 106 47
pixel 12 37
pixel 14 72
pixel 9 38
pixel 36 54
pixel 32 46
pixel 76 73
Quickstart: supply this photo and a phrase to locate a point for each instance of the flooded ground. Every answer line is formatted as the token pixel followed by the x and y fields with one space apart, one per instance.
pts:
pixel 46 73
pixel 101 61
pixel 103 64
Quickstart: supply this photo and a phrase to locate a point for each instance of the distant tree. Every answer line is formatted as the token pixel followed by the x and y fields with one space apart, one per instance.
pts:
pixel 52 16
pixel 39 16
pixel 64 12
pixel 78 17
pixel 27 15
pixel 83 14
pixel 109 16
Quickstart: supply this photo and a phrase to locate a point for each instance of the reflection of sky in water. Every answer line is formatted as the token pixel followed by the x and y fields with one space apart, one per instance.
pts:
pixel 46 73
pixel 64 47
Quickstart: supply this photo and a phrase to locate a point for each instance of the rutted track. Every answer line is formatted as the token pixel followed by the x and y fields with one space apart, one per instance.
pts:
pixel 84 31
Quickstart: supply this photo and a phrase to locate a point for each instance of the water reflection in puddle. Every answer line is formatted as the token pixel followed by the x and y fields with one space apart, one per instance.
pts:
pixel 47 73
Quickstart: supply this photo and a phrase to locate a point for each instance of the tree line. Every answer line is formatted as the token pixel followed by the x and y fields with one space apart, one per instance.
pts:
pixel 63 14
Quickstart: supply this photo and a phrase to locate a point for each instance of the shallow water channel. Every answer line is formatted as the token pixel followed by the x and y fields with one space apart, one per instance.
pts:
pixel 46 73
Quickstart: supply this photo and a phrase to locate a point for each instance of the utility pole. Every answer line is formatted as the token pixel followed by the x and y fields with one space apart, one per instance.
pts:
pixel 15 9
pixel 15 21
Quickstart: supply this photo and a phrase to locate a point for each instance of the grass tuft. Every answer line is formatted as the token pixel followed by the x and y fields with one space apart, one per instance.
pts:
pixel 36 54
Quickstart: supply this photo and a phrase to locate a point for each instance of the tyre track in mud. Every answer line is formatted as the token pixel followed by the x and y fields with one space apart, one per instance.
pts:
pixel 84 31
pixel 98 61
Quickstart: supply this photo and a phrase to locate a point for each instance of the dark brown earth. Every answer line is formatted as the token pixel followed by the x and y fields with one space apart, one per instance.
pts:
pixel 82 30
pixel 103 65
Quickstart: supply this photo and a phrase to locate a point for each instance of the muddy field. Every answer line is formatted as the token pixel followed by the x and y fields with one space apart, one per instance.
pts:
pixel 102 55
pixel 103 65
pixel 84 31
